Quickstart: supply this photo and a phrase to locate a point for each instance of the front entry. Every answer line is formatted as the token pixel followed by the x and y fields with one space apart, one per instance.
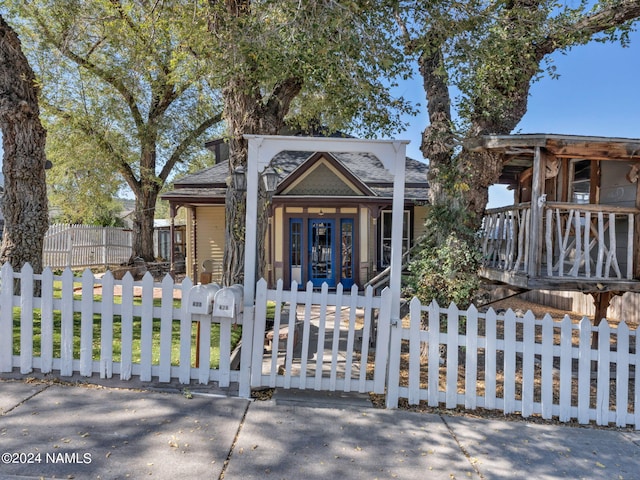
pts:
pixel 321 251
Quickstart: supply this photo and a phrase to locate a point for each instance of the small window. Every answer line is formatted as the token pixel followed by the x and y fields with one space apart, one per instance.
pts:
pixel 580 181
pixel 385 240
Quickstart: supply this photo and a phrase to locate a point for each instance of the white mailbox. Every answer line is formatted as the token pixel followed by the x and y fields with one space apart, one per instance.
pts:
pixel 228 303
pixel 201 298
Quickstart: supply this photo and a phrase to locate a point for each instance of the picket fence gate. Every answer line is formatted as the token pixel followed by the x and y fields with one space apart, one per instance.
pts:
pixel 335 341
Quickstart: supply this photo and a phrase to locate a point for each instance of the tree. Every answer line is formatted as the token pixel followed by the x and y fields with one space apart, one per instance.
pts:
pixel 24 203
pixel 490 53
pixel 301 64
pixel 116 72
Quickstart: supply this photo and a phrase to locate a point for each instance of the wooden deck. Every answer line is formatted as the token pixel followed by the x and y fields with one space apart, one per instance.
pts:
pixel 568 246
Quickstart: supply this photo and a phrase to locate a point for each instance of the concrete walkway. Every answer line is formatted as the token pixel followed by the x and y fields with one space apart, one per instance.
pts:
pixel 49 430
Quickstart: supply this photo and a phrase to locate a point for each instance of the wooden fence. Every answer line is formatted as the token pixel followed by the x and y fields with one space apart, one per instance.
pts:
pixel 79 246
pixel 323 341
pixel 511 364
pixel 339 341
pixel 66 320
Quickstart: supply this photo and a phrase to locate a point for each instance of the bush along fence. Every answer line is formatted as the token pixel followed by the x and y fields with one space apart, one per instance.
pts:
pixel 516 364
pixel 90 325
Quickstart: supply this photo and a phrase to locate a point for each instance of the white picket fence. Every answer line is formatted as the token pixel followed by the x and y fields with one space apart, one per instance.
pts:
pixel 76 297
pixel 338 341
pixel 511 364
pixel 79 246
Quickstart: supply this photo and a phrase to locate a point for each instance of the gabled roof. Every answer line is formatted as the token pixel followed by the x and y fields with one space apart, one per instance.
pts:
pixel 363 171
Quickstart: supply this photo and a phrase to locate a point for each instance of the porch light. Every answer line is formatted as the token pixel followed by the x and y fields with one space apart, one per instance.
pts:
pixel 239 178
pixel 270 178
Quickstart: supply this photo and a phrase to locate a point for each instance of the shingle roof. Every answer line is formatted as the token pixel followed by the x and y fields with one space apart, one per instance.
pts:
pixel 366 167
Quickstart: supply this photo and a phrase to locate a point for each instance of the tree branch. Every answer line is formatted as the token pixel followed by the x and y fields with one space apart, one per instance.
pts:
pixel 99 72
pixel 186 142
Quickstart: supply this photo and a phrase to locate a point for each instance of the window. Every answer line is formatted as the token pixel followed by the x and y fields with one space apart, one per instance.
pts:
pixel 296 249
pixel 580 181
pixel 385 236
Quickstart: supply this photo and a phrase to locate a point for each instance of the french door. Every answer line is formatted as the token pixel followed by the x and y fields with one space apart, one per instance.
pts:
pixel 321 251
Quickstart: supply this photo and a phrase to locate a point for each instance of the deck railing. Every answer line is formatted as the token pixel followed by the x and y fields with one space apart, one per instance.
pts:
pixel 505 236
pixel 589 241
pixel 576 240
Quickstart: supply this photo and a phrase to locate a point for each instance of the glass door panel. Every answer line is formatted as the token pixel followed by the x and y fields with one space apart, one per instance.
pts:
pixel 321 252
pixel 346 252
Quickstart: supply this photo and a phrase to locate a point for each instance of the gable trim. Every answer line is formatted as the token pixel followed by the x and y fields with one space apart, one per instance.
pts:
pixel 307 168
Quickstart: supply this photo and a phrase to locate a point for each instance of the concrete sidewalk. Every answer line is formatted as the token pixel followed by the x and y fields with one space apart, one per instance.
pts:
pixel 60 431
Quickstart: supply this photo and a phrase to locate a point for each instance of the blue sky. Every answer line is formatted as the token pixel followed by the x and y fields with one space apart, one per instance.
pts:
pixel 597 94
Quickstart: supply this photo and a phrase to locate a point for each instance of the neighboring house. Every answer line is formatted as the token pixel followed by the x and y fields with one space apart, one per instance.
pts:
pixel 1 216
pixel 575 225
pixel 330 219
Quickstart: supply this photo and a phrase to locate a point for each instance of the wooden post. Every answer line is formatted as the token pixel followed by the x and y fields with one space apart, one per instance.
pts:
pixel 172 246
pixel 537 209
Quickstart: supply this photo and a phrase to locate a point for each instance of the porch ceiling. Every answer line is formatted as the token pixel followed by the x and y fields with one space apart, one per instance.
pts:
pixel 518 150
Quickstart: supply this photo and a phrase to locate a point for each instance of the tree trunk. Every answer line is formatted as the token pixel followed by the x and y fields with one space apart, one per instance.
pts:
pixel 146 191
pixel 247 112
pixel 24 203
pixel 143 226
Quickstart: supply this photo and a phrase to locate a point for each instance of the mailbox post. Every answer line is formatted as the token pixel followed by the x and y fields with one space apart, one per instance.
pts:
pixel 201 298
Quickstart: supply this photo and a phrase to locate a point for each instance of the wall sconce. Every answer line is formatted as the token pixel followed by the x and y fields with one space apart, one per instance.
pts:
pixel 239 178
pixel 270 178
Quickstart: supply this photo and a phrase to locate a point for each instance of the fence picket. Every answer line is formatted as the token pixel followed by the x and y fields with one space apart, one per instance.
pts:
pixel 291 335
pixel 366 338
pixel 26 319
pixel 146 329
pixel 126 328
pixel 106 327
pixel 224 362
pixel 509 363
pixel 584 371
pixel 565 369
pixel 86 324
pixel 528 361
pixel 382 341
pixel 335 343
pixel 452 356
pixel 306 327
pixel 490 359
pixel 321 334
pixel 546 375
pixel 66 328
pixel 46 322
pixel 259 331
pixel 414 352
pixel 185 333
pixel 622 373
pixel 434 354
pixel 604 372
pixel 471 359
pixel 166 329
pixel 6 318
pixel 275 345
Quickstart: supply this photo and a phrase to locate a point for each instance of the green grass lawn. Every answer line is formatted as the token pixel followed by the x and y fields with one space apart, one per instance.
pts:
pixel 236 333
